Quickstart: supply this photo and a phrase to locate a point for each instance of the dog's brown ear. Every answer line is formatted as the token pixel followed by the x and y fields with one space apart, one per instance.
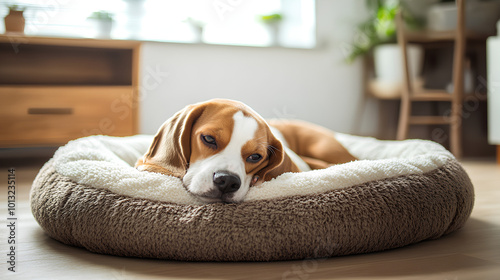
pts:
pixel 278 161
pixel 171 148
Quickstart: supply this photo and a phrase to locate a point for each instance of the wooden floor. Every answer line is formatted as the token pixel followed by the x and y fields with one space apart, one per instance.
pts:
pixel 471 253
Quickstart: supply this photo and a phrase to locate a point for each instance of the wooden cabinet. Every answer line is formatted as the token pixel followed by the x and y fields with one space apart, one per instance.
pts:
pixel 53 90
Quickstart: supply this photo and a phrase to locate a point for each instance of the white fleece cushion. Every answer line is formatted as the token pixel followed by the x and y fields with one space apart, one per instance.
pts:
pixel 106 162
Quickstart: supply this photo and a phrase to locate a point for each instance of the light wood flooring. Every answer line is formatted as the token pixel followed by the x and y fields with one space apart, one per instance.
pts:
pixel 470 253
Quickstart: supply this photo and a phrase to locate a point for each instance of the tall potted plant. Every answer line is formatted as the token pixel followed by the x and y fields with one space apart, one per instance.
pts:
pixel 378 35
pixel 15 21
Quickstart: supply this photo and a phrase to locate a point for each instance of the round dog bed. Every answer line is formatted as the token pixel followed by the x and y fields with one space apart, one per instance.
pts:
pixel 398 193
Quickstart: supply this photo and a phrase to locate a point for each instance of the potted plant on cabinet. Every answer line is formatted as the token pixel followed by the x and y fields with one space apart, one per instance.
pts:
pixel 378 36
pixel 15 21
pixel 197 26
pixel 273 24
pixel 104 23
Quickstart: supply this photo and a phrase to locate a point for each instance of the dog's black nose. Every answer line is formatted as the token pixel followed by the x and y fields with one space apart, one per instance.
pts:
pixel 226 182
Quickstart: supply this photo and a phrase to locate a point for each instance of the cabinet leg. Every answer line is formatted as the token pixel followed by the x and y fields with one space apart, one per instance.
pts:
pixel 498 154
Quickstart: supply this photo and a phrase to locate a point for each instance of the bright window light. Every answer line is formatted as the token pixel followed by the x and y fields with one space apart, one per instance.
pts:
pixel 231 22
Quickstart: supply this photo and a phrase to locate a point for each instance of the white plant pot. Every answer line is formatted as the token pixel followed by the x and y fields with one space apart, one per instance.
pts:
pixel 198 33
pixel 104 28
pixel 389 62
pixel 480 16
pixel 274 30
pixel 418 8
pixel 389 72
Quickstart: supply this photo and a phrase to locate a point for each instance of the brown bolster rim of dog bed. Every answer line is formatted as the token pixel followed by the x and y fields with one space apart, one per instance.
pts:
pixel 374 216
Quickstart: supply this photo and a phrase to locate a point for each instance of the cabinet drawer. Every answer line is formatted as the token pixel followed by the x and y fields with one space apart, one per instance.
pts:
pixel 55 115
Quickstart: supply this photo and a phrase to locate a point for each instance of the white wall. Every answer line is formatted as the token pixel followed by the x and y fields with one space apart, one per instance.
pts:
pixel 314 85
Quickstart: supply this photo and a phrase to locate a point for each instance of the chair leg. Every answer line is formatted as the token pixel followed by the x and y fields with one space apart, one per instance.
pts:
pixel 456 130
pixel 458 78
pixel 404 119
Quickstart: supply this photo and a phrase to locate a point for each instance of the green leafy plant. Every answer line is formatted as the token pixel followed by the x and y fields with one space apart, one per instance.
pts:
pixel 272 18
pixel 101 15
pixel 380 28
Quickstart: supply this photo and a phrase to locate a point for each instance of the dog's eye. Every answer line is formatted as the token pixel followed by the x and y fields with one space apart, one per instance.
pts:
pixel 209 141
pixel 254 158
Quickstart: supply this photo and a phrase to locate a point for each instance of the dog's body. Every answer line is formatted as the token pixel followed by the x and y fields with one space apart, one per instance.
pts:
pixel 220 148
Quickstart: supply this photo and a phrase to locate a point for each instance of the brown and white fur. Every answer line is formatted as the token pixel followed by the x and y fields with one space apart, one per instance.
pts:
pixel 220 148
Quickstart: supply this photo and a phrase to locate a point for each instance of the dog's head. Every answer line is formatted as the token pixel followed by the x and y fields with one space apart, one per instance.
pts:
pixel 219 148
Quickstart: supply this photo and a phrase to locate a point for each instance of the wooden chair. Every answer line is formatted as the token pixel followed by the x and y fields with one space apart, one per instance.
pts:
pixel 410 94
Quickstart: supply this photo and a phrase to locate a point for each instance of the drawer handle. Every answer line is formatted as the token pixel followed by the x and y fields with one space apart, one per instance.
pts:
pixel 50 111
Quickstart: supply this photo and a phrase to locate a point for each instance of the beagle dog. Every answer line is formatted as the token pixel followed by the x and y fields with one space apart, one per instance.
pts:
pixel 220 148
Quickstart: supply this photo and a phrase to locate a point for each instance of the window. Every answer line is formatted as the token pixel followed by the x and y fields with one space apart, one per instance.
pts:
pixel 233 22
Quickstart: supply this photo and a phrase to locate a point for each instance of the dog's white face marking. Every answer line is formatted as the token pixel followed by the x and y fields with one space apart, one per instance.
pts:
pixel 199 178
